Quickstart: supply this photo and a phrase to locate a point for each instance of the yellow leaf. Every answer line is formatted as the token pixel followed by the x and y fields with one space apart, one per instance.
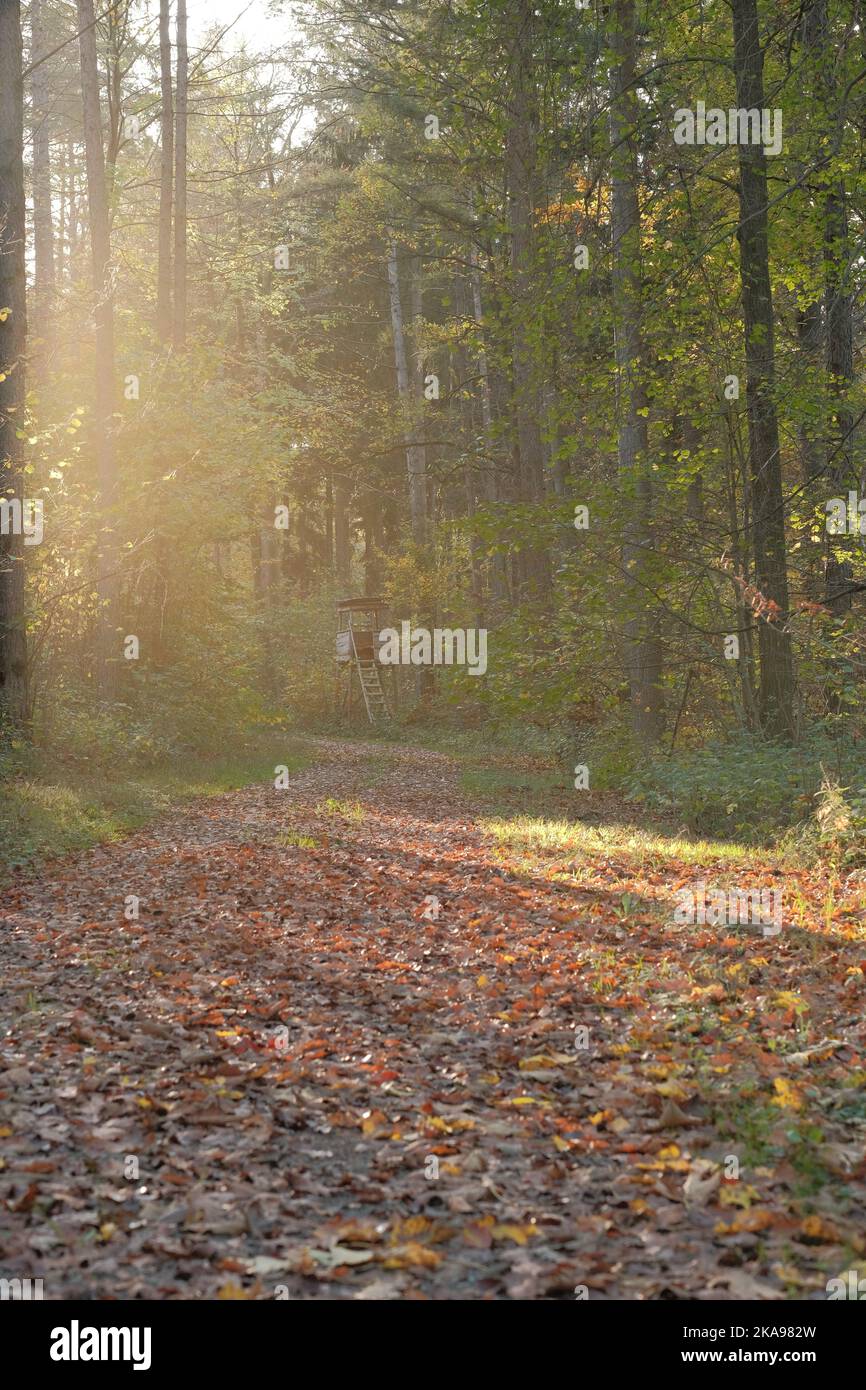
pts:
pixel 519 1234
pixel 716 992
pixel 817 1228
pixel 738 1194
pixel 789 999
pixel 667 1165
pixel 674 1090
pixel 412 1254
pixel 413 1226
pixel 560 1144
pixel 746 1221
pixel 231 1290
pixel 787 1095
pixel 373 1122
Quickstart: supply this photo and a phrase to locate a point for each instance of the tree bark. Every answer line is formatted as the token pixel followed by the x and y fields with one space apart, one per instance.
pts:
pixel 108 653
pixel 521 173
pixel 13 345
pixel 415 454
pixel 840 468
pixel 491 488
pixel 180 155
pixel 342 545
pixel 44 286
pixel 642 636
pixel 166 160
pixel 72 212
pixel 776 689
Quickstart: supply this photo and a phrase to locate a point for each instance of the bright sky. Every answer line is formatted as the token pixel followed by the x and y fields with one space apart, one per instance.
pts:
pixel 254 22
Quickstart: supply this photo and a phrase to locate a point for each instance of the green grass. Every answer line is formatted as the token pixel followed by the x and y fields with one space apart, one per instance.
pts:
pixel 292 840
pixel 348 810
pixel 50 809
pixel 498 784
pixel 536 837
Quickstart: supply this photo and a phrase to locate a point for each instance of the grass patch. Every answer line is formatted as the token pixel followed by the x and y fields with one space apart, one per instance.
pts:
pixel 348 810
pixel 750 1122
pixel 537 838
pixel 50 808
pixel 501 784
pixel 292 840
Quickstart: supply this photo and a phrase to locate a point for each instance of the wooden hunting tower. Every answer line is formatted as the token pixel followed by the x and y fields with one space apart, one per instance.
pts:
pixel 359 621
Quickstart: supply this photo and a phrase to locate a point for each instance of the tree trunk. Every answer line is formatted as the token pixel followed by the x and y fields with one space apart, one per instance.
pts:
pixel 13 345
pixel 166 159
pixel 342 551
pixel 117 20
pixel 179 332
pixel 415 455
pixel 43 228
pixel 462 293
pixel 776 690
pixel 103 290
pixel 60 261
pixel 72 213
pixel 521 155
pixel 840 469
pixel 491 489
pixel 643 653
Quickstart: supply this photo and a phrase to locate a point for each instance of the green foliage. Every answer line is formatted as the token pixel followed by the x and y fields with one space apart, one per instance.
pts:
pixel 743 788
pixel 345 810
pixel 285 395
pixel 840 820
pixel 53 805
pixel 501 786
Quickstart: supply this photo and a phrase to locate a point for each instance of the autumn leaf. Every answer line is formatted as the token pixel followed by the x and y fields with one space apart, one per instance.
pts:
pixel 787 1096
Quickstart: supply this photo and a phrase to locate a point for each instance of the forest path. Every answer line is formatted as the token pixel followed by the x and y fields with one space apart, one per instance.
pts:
pixel 250 1090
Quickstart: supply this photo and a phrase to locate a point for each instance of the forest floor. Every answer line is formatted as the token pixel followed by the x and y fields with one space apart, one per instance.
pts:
pixel 365 1040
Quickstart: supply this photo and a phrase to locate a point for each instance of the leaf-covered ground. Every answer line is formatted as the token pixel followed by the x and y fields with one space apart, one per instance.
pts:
pixel 361 1044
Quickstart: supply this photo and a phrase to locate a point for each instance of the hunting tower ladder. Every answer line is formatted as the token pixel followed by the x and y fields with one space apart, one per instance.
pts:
pixel 358 624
